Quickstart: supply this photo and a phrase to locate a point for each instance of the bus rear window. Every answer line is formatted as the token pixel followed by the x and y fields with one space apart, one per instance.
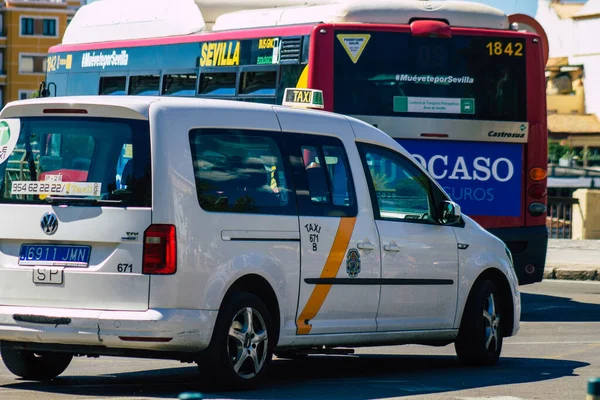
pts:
pixel 112 85
pixel 92 160
pixel 396 74
pixel 218 84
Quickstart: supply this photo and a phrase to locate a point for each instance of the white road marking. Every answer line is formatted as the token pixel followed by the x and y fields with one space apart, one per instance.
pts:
pixel 572 342
pixel 490 398
pixel 570 281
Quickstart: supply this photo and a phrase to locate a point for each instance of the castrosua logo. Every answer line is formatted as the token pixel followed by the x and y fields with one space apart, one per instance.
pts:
pixel 4 133
pixel 513 135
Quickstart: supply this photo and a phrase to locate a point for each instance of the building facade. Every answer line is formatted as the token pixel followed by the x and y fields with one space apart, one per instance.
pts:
pixel 28 28
pixel 573 79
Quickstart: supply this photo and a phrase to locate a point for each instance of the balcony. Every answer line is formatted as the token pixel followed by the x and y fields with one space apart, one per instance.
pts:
pixel 566 103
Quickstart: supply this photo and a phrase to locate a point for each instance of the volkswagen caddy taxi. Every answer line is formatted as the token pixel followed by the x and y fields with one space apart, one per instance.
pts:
pixel 222 233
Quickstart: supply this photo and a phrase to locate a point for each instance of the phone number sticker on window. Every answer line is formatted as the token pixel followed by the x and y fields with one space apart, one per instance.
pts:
pixel 84 189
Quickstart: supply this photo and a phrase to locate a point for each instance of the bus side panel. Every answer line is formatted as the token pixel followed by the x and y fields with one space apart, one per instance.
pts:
pixel 320 63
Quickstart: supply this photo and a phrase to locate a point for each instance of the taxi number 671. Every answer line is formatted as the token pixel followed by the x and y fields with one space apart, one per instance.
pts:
pixel 125 268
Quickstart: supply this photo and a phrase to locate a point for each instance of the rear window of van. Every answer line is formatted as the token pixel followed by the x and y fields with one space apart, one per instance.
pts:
pixel 92 161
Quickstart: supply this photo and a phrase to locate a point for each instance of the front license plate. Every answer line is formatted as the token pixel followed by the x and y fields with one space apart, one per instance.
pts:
pixel 48 276
pixel 54 255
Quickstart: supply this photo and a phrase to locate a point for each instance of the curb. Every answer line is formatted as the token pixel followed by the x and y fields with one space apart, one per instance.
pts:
pixel 572 274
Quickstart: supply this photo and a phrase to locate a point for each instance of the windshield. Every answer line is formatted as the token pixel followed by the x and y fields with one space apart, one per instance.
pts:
pixel 75 160
pixel 396 74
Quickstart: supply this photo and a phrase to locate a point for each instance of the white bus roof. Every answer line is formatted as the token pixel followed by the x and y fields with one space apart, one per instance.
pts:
pixel 457 13
pixel 110 20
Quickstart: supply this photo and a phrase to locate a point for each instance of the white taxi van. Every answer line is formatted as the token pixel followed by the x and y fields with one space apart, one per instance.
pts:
pixel 222 233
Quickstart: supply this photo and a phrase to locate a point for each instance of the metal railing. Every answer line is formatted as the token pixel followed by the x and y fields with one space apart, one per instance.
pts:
pixel 559 221
pixel 559 171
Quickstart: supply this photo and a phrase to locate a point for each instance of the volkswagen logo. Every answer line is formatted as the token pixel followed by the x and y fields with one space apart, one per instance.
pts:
pixel 49 223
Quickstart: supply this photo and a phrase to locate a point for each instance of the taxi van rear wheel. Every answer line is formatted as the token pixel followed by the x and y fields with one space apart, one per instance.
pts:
pixel 36 366
pixel 241 348
pixel 479 341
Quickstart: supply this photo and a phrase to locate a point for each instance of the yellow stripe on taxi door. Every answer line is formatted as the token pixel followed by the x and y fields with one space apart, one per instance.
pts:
pixel 330 270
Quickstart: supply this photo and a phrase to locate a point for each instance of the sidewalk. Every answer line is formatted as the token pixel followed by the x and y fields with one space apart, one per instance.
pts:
pixel 573 260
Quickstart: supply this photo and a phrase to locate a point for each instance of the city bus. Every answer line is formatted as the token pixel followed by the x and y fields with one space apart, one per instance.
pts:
pixel 458 84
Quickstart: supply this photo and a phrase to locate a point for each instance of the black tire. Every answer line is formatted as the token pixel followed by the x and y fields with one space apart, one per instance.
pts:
pixel 472 345
pixel 35 366
pixel 225 351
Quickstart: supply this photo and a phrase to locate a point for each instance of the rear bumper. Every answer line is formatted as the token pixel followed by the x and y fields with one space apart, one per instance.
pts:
pixel 175 330
pixel 528 246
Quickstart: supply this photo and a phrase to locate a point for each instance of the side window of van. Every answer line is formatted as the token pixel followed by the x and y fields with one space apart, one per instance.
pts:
pixel 241 171
pixel 400 191
pixel 322 175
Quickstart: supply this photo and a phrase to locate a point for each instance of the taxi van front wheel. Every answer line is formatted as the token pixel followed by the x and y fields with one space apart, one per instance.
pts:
pixel 36 366
pixel 479 341
pixel 241 348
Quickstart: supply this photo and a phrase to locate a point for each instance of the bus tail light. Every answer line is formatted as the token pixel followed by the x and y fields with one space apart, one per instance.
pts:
pixel 160 250
pixel 430 28
pixel 537 191
pixel 538 174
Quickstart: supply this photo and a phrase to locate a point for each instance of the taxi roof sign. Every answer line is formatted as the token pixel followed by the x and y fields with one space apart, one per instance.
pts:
pixel 307 98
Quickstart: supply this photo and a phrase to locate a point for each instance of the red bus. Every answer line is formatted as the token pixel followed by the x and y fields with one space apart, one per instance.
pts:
pixel 456 83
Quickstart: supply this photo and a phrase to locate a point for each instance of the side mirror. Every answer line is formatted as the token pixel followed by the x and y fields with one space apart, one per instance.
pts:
pixel 449 213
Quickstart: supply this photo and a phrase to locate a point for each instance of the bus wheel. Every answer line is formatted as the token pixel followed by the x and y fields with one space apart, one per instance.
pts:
pixel 241 349
pixel 38 366
pixel 479 341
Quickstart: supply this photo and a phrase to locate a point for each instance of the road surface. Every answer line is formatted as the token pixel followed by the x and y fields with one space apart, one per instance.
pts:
pixel 555 353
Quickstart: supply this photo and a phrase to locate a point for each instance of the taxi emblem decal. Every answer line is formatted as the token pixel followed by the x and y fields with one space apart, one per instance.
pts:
pixel 353 263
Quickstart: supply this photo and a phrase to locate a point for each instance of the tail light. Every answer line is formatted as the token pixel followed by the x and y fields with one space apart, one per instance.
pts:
pixel 538 174
pixel 537 191
pixel 160 250
pixel 430 28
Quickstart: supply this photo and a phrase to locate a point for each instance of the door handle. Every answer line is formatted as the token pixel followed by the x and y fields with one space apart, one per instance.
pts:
pixel 365 246
pixel 391 247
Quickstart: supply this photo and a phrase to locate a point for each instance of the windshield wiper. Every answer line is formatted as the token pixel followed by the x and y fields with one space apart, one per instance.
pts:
pixel 78 200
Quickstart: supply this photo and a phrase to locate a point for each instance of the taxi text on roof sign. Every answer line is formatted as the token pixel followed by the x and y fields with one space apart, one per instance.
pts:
pixel 308 98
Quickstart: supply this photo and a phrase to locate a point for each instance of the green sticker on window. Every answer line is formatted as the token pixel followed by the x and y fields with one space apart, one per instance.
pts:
pixel 439 105
pixel 9 135
pixel 4 133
